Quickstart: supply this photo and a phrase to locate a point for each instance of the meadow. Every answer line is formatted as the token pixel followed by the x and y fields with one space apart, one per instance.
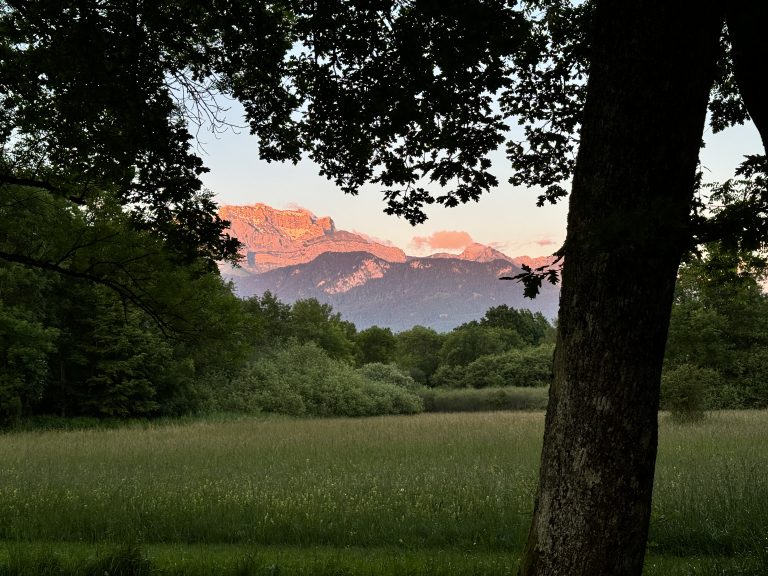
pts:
pixel 425 494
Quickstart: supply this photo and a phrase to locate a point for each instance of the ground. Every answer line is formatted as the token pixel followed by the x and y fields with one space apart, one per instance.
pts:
pixel 427 494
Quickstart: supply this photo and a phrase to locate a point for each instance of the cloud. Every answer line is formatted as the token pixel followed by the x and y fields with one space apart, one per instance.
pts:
pixel 296 207
pixel 444 239
pixel 373 238
pixel 543 244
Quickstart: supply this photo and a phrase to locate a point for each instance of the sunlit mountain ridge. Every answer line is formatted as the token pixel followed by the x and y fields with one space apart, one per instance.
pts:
pixel 295 255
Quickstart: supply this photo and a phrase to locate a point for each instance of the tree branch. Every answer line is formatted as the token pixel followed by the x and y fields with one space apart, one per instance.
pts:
pixel 8 180
pixel 28 182
pixel 121 289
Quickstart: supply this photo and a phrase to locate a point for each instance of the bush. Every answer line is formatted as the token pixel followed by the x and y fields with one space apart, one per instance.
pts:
pixel 685 389
pixel 471 341
pixel 388 374
pixel 752 383
pixel 450 377
pixel 262 387
pixel 727 396
pixel 483 400
pixel 529 367
pixel 301 379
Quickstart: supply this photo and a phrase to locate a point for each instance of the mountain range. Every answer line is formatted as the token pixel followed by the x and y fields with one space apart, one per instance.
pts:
pixel 295 255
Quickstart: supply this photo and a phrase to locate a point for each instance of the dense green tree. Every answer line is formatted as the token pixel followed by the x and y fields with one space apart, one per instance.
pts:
pixel 417 351
pixel 375 344
pixel 400 93
pixel 115 325
pixel 26 342
pixel 96 242
pixel 471 341
pixel 312 321
pixel 533 328
pixel 526 367
pixel 123 361
pixel 720 322
pixel 268 321
pixel 110 358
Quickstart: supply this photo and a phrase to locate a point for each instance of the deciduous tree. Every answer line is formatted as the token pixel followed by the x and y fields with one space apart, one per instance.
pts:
pixel 375 344
pixel 418 351
pixel 532 327
pixel 402 93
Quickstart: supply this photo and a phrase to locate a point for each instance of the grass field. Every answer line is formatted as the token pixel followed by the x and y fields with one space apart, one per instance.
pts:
pixel 428 494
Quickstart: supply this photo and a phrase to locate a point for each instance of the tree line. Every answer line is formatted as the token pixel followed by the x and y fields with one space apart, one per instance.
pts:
pixel 717 348
pixel 72 347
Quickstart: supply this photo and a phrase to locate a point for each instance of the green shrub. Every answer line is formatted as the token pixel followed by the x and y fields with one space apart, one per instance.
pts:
pixel 685 389
pixel 523 368
pixel 388 374
pixel 449 377
pixel 302 379
pixel 471 341
pixel 752 383
pixel 486 399
pixel 527 367
pixel 727 396
pixel 263 386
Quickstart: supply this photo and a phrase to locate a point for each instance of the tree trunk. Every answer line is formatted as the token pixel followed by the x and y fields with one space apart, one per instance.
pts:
pixel 653 63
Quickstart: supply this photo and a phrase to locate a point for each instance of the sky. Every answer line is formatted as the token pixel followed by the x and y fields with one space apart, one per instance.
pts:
pixel 507 218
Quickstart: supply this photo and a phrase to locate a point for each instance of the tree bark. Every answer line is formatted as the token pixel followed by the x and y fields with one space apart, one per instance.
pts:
pixel 652 66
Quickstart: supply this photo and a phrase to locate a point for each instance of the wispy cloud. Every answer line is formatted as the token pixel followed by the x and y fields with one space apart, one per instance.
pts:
pixel 540 245
pixel 296 207
pixel 373 238
pixel 442 240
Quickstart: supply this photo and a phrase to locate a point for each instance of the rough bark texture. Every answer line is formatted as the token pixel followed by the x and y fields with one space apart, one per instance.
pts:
pixel 651 71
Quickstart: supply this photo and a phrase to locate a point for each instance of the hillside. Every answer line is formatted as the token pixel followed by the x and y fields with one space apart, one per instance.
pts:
pixel 440 293
pixel 294 254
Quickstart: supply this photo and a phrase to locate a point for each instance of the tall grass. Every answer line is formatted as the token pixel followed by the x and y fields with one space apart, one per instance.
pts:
pixel 711 489
pixel 412 481
pixel 451 482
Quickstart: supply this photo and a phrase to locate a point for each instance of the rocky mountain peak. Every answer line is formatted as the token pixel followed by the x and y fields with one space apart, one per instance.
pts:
pixel 295 254
pixel 475 252
pixel 482 253
pixel 275 238
pixel 258 220
pixel 536 261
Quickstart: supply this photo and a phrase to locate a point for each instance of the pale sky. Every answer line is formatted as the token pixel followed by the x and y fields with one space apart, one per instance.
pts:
pixel 507 218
